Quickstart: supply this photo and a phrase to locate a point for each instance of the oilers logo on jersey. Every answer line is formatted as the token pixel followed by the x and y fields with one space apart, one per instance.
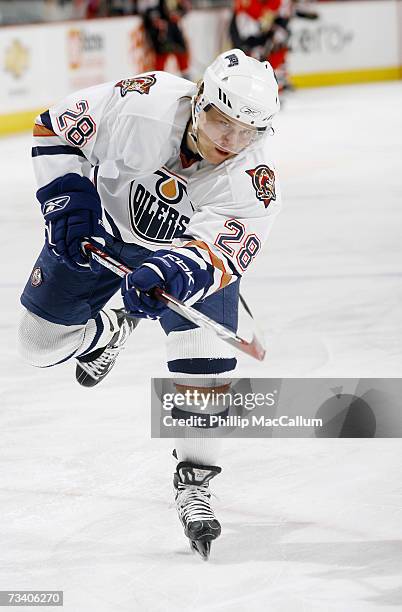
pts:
pixel 169 188
pixel 159 207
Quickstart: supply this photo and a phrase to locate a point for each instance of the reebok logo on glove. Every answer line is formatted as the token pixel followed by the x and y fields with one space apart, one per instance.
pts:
pixel 182 264
pixel 55 204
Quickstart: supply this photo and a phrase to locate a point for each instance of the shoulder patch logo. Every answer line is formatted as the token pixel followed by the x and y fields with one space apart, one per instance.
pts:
pixel 263 183
pixel 36 277
pixel 140 84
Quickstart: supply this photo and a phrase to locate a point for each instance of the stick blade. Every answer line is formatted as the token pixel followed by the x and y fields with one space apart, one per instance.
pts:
pixel 254 348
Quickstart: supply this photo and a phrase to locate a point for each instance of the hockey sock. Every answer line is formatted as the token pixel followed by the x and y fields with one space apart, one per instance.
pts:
pixel 44 344
pixel 205 398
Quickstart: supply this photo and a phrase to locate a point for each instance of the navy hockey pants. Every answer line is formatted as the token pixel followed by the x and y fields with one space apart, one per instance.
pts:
pixel 60 295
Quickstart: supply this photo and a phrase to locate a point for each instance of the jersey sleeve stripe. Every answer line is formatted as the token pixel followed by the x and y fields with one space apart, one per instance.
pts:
pixel 115 230
pixel 46 120
pixel 203 258
pixel 216 262
pixel 41 130
pixel 200 261
pixel 231 266
pixel 57 150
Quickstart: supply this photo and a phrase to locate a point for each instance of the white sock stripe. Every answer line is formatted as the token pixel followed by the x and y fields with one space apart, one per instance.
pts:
pixel 197 343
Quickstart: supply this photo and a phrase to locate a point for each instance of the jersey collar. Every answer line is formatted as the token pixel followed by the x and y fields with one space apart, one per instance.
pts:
pixel 187 157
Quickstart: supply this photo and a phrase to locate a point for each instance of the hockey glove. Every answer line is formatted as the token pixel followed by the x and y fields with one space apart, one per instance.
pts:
pixel 178 275
pixel 72 210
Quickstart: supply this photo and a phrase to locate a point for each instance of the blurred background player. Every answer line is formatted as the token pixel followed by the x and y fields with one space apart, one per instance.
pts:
pixel 261 28
pixel 162 23
pixel 177 181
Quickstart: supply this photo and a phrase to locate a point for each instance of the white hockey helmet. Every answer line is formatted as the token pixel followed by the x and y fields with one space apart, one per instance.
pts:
pixel 243 90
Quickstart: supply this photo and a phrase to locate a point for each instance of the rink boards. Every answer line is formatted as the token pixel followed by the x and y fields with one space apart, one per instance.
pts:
pixel 350 42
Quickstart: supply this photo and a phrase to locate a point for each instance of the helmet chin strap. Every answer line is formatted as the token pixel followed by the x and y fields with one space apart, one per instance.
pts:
pixel 194 140
pixel 194 126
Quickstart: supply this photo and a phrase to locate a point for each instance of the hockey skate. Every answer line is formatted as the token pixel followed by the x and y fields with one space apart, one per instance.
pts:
pixel 93 367
pixel 200 524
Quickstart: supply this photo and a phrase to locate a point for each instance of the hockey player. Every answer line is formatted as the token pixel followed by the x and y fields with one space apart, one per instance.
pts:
pixel 162 22
pixel 252 25
pixel 261 28
pixel 177 181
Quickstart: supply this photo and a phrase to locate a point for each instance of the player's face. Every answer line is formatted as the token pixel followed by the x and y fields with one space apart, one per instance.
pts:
pixel 209 151
pixel 219 137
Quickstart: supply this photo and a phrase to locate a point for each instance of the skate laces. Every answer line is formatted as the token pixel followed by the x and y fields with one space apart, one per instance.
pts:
pixel 98 366
pixel 193 503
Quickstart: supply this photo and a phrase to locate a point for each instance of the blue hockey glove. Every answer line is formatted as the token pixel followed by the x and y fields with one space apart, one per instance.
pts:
pixel 72 210
pixel 178 275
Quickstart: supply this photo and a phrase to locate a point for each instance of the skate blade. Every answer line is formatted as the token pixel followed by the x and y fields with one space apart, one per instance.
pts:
pixel 202 547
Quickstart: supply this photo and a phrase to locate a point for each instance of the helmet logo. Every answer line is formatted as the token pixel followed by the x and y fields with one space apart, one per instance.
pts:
pixel 233 60
pixel 251 112
pixel 141 84
pixel 263 183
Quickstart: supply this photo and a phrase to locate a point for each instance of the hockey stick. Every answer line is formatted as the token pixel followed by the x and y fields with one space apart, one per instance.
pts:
pixel 254 348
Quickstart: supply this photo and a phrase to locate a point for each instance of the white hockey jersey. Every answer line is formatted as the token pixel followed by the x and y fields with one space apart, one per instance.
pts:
pixel 127 137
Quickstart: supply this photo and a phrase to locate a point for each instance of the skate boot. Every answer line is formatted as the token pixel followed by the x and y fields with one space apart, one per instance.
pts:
pixel 93 367
pixel 200 524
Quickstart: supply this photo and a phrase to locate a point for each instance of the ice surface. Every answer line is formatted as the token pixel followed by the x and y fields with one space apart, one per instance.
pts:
pixel 308 525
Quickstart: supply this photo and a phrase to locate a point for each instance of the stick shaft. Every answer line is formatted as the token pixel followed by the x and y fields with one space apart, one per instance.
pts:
pixel 254 348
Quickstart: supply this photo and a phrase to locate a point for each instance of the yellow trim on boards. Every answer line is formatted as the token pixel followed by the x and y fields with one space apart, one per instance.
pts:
pixel 23 121
pixel 18 122
pixel 322 79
